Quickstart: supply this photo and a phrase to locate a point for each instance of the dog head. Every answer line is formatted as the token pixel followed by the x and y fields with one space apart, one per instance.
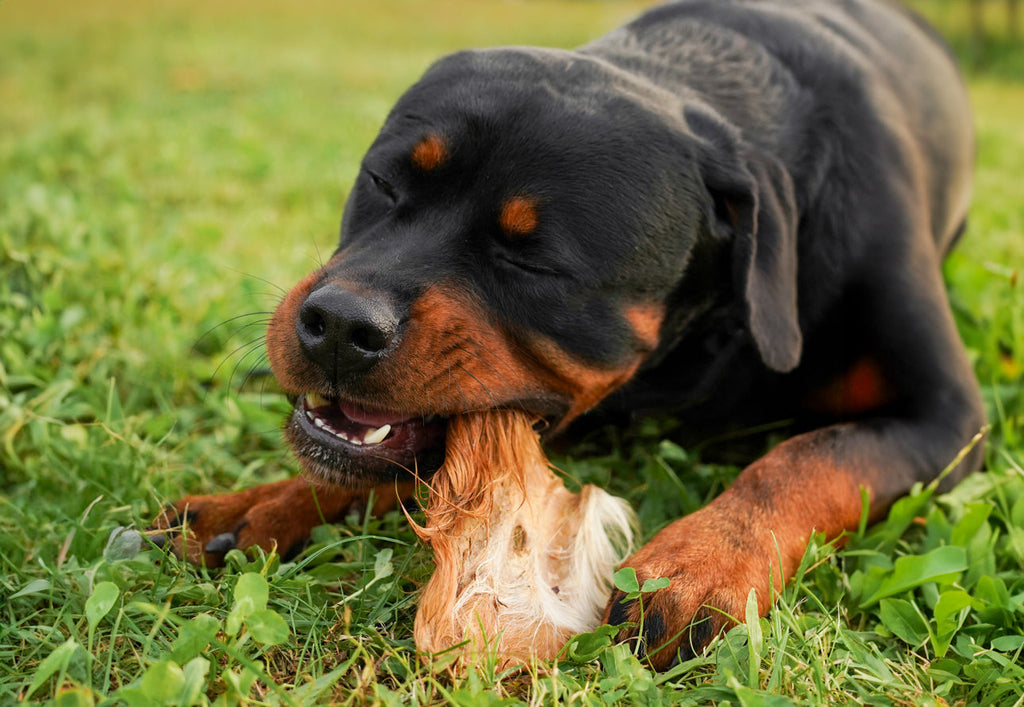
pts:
pixel 514 237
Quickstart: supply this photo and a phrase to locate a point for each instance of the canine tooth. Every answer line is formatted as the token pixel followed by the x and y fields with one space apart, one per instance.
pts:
pixel 310 416
pixel 315 400
pixel 319 422
pixel 377 436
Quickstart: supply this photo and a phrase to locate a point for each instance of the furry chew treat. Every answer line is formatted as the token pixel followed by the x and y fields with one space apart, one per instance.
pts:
pixel 522 563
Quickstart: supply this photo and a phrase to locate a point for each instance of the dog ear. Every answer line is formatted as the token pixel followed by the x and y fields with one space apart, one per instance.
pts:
pixel 753 200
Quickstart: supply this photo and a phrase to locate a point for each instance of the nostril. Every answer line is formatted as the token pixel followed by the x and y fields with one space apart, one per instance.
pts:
pixel 369 338
pixel 313 321
pixel 344 331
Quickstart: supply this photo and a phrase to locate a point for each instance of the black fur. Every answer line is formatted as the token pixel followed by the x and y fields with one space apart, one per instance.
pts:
pixel 780 174
pixel 739 205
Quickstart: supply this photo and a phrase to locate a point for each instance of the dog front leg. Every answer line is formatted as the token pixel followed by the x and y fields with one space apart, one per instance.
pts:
pixel 279 515
pixel 755 534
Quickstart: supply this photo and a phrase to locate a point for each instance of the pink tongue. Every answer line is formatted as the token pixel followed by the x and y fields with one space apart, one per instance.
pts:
pixel 370 417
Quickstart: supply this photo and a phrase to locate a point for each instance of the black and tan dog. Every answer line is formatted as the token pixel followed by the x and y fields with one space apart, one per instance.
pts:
pixel 732 211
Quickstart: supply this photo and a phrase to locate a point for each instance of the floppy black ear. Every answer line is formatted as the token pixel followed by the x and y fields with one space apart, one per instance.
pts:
pixel 753 199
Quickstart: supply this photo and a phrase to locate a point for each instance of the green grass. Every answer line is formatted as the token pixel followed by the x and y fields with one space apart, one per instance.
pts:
pixel 165 168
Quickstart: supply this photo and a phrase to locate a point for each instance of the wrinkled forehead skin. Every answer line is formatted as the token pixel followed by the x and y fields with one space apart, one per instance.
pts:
pixel 612 193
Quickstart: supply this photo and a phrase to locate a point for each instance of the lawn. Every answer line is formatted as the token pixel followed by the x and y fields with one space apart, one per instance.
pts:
pixel 166 169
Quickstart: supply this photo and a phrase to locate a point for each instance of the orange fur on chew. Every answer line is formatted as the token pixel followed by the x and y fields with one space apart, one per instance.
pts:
pixel 522 563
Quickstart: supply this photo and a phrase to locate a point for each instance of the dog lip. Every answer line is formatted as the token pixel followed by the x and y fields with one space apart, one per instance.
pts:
pixel 372 417
pixel 358 430
pixel 415 449
pixel 417 445
pixel 551 410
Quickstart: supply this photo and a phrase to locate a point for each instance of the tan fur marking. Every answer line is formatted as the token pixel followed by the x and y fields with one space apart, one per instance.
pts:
pixel 453 358
pixel 430 153
pixel 752 536
pixel 646 319
pixel 271 516
pixel 519 216
pixel 860 389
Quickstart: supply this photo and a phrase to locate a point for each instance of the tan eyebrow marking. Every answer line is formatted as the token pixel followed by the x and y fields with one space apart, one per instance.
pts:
pixel 519 216
pixel 430 153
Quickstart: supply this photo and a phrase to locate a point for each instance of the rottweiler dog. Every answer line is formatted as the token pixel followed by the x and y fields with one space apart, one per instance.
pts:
pixel 729 211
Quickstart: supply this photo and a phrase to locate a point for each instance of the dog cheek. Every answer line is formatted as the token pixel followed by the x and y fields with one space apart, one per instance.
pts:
pixel 452 357
pixel 583 384
pixel 283 350
pixel 587 384
pixel 645 320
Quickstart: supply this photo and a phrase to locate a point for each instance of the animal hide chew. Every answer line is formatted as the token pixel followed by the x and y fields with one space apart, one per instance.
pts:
pixel 522 563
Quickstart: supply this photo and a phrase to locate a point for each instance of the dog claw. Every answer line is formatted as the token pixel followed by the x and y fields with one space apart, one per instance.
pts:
pixel 619 613
pixel 222 543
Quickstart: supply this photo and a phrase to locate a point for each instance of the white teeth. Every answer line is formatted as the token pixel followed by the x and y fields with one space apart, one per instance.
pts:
pixel 372 436
pixel 315 400
pixel 377 436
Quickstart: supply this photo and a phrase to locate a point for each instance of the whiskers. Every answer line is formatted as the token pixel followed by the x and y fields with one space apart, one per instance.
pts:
pixel 249 356
pixel 467 361
pixel 239 343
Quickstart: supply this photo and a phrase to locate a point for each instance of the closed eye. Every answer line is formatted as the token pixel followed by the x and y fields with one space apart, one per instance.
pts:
pixel 532 268
pixel 383 186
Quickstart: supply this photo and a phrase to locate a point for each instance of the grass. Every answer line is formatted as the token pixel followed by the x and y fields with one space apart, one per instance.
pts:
pixel 164 171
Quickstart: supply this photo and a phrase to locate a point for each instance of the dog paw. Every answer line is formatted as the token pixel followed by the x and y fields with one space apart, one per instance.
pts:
pixel 710 573
pixel 201 529
pixel 278 516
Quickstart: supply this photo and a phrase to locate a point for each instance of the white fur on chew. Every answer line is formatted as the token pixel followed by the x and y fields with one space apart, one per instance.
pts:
pixel 523 585
pixel 522 563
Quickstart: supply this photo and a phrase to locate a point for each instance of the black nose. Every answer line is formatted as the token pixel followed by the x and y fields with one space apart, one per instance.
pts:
pixel 345 332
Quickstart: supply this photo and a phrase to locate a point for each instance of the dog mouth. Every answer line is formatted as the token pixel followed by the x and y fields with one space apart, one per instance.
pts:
pixel 354 444
pixel 355 425
pixel 357 445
